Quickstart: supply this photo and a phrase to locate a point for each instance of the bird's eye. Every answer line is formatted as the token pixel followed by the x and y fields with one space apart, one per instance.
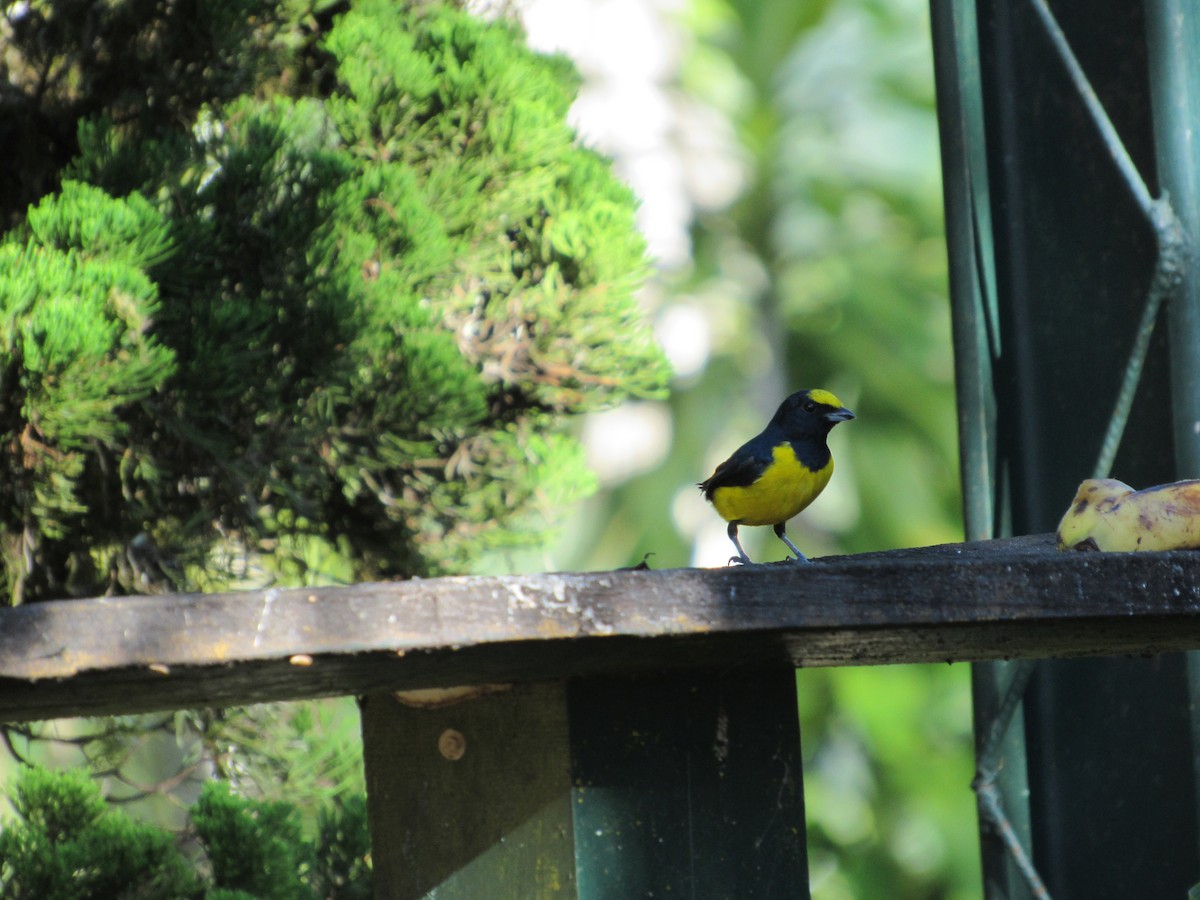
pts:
pixel 810 406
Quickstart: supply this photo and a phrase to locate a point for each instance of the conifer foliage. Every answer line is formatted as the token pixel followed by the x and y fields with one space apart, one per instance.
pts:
pixel 66 843
pixel 328 276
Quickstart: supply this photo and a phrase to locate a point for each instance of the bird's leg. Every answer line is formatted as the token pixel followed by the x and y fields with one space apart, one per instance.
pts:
pixel 781 533
pixel 741 557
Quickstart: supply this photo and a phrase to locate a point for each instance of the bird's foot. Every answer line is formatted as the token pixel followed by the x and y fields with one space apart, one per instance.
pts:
pixel 782 535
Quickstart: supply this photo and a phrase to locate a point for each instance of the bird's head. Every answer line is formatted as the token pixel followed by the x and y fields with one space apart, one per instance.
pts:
pixel 813 411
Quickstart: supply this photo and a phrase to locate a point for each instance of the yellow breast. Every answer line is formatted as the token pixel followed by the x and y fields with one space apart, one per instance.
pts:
pixel 784 489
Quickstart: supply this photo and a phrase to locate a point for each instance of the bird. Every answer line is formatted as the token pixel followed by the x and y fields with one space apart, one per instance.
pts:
pixel 780 471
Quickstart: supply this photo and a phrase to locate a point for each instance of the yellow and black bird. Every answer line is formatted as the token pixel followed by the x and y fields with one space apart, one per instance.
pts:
pixel 776 474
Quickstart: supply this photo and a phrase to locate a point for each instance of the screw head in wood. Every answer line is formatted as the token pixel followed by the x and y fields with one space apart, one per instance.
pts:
pixel 452 744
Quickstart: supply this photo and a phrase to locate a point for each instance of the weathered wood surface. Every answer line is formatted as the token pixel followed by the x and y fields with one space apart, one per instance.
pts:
pixel 998 599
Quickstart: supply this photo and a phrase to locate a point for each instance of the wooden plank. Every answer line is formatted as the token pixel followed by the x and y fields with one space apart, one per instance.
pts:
pixel 471 799
pixel 682 784
pixel 989 600
pixel 688 785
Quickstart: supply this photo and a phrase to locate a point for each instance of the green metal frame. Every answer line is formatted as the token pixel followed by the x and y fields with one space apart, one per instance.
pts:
pixel 1071 178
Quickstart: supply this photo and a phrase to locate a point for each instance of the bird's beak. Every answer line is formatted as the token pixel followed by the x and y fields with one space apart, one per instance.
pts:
pixel 839 415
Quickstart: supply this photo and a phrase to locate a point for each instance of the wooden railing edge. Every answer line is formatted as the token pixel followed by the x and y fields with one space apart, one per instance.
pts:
pixel 1014 598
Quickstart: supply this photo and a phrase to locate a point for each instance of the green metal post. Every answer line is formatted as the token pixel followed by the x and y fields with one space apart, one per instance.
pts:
pixel 1173 45
pixel 1000 744
pixel 972 264
pixel 1083 254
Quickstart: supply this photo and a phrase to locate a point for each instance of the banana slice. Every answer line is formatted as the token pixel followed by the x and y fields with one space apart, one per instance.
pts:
pixel 1110 515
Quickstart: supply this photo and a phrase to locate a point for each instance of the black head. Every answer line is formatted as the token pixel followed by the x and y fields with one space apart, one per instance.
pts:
pixel 810 412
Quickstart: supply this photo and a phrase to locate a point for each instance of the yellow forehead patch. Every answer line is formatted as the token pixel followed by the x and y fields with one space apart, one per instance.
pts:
pixel 824 397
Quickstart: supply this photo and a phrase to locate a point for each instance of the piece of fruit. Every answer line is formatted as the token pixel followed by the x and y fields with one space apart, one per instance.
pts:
pixel 1107 514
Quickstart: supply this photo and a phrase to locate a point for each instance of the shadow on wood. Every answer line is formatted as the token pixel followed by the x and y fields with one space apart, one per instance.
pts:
pixel 472 799
pixel 683 785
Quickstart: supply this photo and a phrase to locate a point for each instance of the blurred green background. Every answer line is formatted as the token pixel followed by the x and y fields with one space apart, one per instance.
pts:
pixel 787 157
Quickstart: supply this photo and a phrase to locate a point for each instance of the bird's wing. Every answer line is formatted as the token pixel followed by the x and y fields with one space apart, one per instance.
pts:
pixel 742 469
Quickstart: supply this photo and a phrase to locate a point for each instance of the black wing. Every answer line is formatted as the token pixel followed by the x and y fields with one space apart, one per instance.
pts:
pixel 742 469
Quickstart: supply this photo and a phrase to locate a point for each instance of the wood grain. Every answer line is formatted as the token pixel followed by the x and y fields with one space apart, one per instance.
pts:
pixel 988 600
